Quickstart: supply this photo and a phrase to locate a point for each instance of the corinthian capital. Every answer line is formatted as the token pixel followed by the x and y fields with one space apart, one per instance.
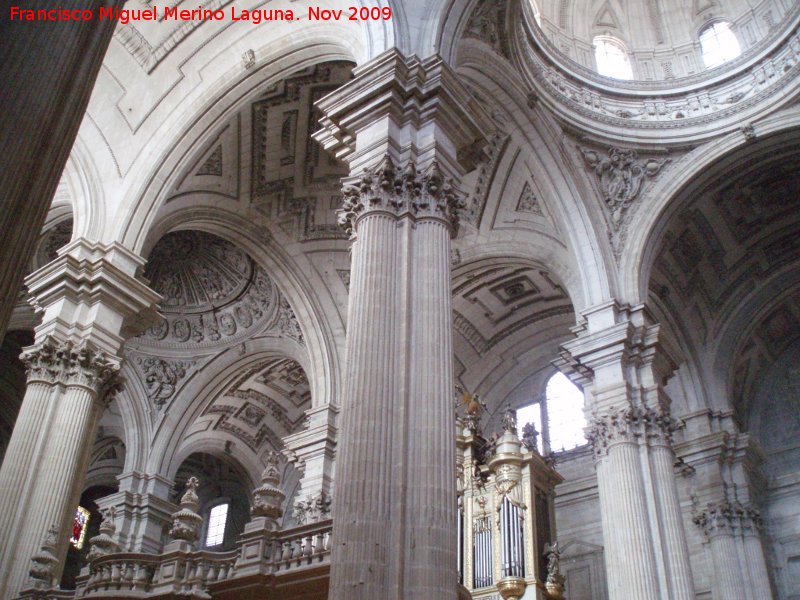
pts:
pixel 389 189
pixel 728 518
pixel 71 364
pixel 630 425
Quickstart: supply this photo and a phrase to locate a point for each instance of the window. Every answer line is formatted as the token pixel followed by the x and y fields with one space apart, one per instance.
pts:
pixel 718 44
pixel 612 58
pixel 216 525
pixel 79 523
pixel 558 418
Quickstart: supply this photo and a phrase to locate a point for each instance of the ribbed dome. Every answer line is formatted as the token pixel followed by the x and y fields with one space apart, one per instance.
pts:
pixel 196 271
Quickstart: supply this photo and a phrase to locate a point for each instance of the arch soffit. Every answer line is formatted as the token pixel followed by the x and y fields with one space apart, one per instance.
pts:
pixel 210 84
pixel 668 195
pixel 170 445
pixel 567 186
pixel 322 329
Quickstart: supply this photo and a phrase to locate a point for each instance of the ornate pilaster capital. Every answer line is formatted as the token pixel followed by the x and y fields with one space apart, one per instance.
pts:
pixel 728 518
pixel 631 424
pixel 71 364
pixel 386 188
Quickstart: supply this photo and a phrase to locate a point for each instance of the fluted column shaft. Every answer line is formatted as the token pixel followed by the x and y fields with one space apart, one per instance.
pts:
pixel 394 509
pixel 49 451
pixel 675 547
pixel 728 582
pixel 87 297
pixel 629 555
pixel 623 364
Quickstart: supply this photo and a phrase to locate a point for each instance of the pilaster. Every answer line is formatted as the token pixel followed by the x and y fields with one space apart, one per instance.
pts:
pixel 90 300
pixel 623 360
pixel 725 487
pixel 409 129
pixel 141 511
pixel 313 449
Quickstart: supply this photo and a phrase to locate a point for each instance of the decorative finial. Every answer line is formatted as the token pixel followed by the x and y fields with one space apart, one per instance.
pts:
pixel 186 522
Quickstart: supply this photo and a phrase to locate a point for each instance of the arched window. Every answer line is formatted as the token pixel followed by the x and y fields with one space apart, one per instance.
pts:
pixel 558 417
pixel 718 44
pixel 217 518
pixel 612 58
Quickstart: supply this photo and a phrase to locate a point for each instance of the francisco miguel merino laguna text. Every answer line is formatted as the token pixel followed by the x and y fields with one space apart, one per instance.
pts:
pixel 171 13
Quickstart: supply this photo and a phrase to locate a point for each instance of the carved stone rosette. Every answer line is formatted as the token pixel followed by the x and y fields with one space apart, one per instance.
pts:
pixel 630 425
pixel 387 188
pixel 268 497
pixel 728 518
pixel 71 364
pixel 186 522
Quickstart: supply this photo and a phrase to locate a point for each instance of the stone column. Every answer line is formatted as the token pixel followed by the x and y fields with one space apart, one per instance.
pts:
pixel 725 485
pixel 49 70
pixel 89 298
pixel 622 362
pixel 401 124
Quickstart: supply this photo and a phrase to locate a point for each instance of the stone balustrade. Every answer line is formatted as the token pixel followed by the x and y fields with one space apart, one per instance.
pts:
pixel 179 572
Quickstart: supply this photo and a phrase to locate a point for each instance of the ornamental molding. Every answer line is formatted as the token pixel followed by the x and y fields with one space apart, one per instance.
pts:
pixel 387 189
pixel 620 174
pixel 214 295
pixel 631 425
pixel 162 377
pixel 71 363
pixel 313 509
pixel 698 106
pixel 728 518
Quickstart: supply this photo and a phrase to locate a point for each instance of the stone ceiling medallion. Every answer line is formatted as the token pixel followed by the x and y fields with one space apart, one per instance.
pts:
pixel 213 292
pixel 621 176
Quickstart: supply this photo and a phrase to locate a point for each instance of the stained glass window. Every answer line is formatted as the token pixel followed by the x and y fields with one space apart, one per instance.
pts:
pixel 79 523
pixel 216 525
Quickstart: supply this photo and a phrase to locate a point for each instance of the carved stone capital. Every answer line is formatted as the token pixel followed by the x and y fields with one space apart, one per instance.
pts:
pixel 728 518
pixel 401 192
pixel 71 364
pixel 630 425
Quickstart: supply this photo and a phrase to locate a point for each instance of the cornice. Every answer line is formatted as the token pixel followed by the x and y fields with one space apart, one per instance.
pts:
pixel 679 111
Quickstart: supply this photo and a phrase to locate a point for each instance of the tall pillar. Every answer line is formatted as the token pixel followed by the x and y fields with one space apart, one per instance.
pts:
pixel 403 125
pixel 725 490
pixel 89 299
pixel 48 70
pixel 622 362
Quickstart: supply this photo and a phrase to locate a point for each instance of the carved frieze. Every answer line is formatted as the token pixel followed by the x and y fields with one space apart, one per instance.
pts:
pixel 390 189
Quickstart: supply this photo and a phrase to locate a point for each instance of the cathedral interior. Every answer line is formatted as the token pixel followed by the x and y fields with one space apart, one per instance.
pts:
pixel 486 299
